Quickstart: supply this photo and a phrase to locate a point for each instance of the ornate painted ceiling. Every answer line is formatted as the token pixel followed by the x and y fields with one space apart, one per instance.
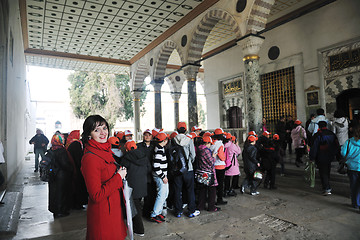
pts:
pixel 82 33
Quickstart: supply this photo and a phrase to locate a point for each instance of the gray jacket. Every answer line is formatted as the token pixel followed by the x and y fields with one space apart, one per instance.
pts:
pixel 189 149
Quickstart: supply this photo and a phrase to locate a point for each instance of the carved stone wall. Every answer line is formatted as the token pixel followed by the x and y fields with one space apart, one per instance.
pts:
pixel 232 99
pixel 339 80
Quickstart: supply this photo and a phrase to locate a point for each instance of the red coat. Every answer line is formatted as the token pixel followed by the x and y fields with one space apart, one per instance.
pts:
pixel 104 214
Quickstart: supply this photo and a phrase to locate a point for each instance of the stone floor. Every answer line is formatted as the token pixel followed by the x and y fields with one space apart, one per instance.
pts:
pixel 293 211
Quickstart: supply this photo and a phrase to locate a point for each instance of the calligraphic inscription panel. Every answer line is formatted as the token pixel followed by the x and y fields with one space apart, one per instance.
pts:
pixel 278 95
pixel 232 87
pixel 344 60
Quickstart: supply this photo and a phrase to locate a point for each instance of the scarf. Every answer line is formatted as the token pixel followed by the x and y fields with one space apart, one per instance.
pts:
pixel 73 136
pixel 102 150
pixel 57 141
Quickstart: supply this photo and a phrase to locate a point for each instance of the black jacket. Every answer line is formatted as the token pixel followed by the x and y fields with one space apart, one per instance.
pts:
pixel 325 147
pixel 38 140
pixel 249 156
pixel 137 166
pixel 149 152
pixel 60 188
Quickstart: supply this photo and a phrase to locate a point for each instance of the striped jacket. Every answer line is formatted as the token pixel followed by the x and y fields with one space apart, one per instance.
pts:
pixel 160 163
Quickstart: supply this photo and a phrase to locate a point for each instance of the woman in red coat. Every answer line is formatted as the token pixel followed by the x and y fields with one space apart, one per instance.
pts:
pixel 103 181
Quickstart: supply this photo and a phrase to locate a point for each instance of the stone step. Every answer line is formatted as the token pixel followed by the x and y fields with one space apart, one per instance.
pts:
pixel 9 213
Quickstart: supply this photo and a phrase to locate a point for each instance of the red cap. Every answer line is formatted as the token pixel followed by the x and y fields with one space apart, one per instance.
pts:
pixel 114 141
pixel 297 122
pixel 147 131
pixel 156 131
pixel 128 132
pixel 233 138
pixel 195 128
pixel 228 135
pixel 266 133
pixel 174 134
pixel 130 144
pixel 162 136
pixel 252 133
pixel 218 131
pixel 252 138
pixel 120 135
pixel 181 124
pixel 276 137
pixel 208 139
pixel 207 134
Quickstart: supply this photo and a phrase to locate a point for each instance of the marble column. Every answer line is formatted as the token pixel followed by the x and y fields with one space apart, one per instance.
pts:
pixel 176 96
pixel 136 98
pixel 157 90
pixel 191 73
pixel 251 46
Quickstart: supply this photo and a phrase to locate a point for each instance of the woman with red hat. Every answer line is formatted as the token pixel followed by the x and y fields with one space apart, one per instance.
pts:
pixel 298 136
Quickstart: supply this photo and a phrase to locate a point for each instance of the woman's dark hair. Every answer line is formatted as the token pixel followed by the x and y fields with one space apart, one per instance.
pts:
pixel 219 137
pixel 181 130
pixel 91 122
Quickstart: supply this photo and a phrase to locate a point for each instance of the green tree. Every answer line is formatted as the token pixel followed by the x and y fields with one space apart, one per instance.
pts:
pixel 105 94
pixel 201 115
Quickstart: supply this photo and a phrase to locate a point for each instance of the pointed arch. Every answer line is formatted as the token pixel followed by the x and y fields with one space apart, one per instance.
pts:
pixel 259 15
pixel 204 28
pixel 164 55
pixel 138 75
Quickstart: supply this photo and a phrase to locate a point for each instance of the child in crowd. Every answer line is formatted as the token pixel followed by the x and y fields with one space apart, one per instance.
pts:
pixel 279 153
pixel 206 163
pixel 251 164
pixel 232 173
pixel 160 166
pixel 268 162
pixel 218 148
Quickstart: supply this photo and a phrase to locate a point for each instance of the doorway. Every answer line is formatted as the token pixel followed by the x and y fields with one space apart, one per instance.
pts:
pixel 349 101
pixel 235 117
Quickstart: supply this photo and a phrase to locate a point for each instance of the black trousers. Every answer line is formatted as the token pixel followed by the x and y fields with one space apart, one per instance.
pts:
pixel 231 182
pixel 299 153
pixel 324 171
pixel 220 176
pixel 206 194
pixel 270 175
pixel 137 219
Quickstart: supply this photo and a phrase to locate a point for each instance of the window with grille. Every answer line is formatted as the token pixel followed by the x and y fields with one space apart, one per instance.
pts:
pixel 278 96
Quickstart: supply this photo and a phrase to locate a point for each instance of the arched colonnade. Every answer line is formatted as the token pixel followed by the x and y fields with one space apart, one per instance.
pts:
pixel 189 43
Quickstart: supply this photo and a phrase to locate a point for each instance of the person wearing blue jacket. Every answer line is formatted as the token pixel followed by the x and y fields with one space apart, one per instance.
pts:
pixel 351 149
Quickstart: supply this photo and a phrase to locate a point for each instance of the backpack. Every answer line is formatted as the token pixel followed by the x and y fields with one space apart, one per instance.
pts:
pixel 47 171
pixel 178 163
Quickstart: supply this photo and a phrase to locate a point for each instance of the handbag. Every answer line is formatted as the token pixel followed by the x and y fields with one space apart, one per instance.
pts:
pixel 204 177
pixel 342 169
pixel 258 175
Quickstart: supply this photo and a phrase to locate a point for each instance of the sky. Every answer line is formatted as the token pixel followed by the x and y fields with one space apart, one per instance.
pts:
pixel 48 84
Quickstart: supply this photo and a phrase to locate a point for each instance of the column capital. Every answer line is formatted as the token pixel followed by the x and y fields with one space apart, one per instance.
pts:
pixel 191 70
pixel 251 46
pixel 136 94
pixel 176 96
